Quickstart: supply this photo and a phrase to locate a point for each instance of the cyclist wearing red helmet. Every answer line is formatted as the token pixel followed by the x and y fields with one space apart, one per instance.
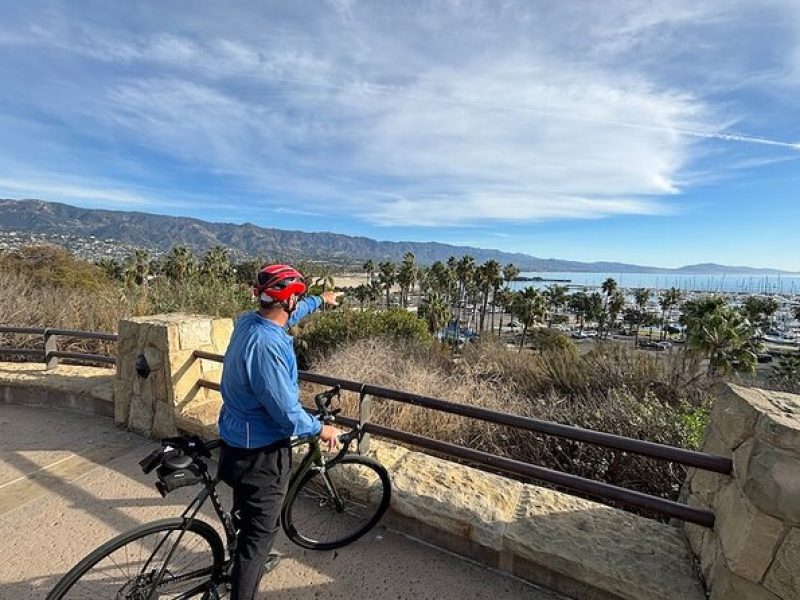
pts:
pixel 260 412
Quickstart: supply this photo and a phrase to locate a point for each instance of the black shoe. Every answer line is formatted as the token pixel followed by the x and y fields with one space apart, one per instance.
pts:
pixel 272 562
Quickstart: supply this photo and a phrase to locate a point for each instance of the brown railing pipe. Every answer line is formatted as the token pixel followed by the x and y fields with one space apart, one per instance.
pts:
pixel 692 458
pixel 89 335
pixel 25 330
pixel 572 482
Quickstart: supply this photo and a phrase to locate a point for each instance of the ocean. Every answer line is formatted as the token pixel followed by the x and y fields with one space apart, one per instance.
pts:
pixel 732 283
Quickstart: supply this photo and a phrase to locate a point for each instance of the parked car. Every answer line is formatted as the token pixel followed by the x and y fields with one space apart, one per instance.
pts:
pixel 663 345
pixel 579 335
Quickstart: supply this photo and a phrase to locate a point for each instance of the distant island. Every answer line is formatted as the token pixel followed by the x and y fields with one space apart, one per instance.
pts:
pixel 542 279
pixel 159 233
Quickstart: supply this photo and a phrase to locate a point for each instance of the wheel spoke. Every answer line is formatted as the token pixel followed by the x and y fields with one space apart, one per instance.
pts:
pixel 127 569
pixel 317 519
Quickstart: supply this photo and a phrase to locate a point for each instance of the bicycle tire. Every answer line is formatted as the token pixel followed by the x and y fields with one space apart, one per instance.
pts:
pixel 205 532
pixel 375 496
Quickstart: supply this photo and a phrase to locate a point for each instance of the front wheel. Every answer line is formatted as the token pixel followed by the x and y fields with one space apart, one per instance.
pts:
pixel 335 505
pixel 127 567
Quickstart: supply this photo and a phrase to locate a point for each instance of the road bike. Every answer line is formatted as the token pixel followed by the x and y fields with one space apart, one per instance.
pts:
pixel 331 501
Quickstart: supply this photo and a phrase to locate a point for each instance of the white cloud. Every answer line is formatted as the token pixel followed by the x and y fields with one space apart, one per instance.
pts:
pixel 437 114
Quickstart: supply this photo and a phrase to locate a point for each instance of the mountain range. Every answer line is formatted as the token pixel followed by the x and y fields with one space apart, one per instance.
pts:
pixel 160 233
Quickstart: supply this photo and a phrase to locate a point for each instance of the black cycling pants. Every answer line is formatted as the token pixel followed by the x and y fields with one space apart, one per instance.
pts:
pixel 259 478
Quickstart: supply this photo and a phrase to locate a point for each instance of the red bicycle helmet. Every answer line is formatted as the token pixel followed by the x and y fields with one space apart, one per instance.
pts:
pixel 277 283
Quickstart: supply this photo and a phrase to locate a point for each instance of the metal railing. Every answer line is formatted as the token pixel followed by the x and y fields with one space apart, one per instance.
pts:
pixel 50 355
pixel 576 483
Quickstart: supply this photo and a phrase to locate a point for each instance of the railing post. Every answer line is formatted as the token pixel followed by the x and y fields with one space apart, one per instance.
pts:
pixel 50 346
pixel 364 410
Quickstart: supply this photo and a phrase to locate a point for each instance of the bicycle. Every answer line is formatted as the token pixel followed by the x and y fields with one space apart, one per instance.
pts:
pixel 348 492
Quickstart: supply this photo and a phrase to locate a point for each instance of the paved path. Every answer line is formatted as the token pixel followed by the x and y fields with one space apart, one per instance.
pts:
pixel 69 481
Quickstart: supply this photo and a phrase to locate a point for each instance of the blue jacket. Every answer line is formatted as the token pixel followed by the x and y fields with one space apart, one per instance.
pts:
pixel 260 394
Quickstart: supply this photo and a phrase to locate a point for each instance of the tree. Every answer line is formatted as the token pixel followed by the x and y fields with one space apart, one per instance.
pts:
pixel 615 305
pixel 530 307
pixel 505 300
pixel 180 264
pixel 369 268
pixel 433 309
pixel 363 293
pixel 137 267
pixel 386 276
pixel 726 337
pixel 493 279
pixel 215 264
pixel 759 311
pixel 609 286
pixel 112 268
pixel 465 272
pixel 641 297
pixel 406 276
pixel 510 273
pixel 556 299
pixel 595 311
pixel 668 301
pixel 579 304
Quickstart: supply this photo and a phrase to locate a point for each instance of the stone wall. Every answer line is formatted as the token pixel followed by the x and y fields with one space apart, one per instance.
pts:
pixel 83 389
pixel 754 549
pixel 151 404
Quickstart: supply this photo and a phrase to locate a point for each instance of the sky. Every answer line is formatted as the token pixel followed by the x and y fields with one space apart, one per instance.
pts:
pixel 648 132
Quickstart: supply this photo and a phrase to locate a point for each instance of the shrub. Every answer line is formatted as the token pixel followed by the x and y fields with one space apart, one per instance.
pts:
pixel 607 390
pixel 330 329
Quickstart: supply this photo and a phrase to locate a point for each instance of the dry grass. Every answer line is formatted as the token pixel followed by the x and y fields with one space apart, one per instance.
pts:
pixel 612 390
pixel 27 303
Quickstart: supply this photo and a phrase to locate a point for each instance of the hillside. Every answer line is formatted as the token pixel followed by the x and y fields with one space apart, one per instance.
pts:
pixel 159 232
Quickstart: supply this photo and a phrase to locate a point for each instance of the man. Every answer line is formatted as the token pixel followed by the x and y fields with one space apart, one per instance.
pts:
pixel 260 412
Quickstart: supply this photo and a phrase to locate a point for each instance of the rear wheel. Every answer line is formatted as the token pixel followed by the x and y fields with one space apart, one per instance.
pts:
pixel 126 567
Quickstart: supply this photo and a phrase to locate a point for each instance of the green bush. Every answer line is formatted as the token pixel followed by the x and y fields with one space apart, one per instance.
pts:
pixel 208 297
pixel 327 330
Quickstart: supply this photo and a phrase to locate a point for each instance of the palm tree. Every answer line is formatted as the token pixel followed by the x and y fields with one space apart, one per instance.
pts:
pixel 112 268
pixel 530 307
pixel 215 264
pixel 494 279
pixel 434 310
pixel 642 297
pixel 362 294
pixel 579 304
pixel 759 311
pixel 726 337
pixel 179 264
pixel 556 298
pixel 406 275
pixel 595 311
pixel 386 276
pixel 609 286
pixel 668 301
pixel 465 271
pixel 505 300
pixel 137 267
pixel 369 267
pixel 615 306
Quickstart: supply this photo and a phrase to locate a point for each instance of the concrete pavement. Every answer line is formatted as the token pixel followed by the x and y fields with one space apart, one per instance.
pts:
pixel 69 482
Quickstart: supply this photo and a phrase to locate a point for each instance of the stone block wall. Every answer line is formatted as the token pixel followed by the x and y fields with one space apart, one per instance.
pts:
pixel 149 405
pixel 753 551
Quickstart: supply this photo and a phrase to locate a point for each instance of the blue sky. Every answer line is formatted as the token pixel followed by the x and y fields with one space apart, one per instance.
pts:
pixel 660 133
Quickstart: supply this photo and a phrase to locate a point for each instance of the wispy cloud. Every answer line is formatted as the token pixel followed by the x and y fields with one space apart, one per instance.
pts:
pixel 521 112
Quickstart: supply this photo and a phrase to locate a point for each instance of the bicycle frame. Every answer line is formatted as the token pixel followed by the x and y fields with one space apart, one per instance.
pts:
pixel 313 459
